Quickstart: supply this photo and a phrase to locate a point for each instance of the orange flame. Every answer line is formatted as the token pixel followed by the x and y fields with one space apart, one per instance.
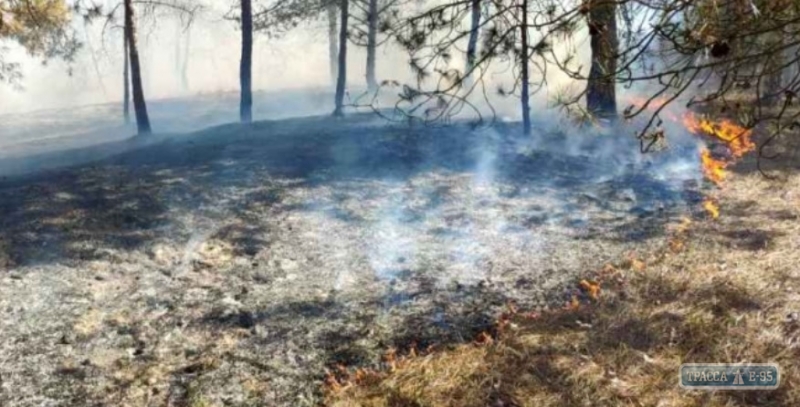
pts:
pixel 652 104
pixel 737 138
pixel 713 169
pixel 573 304
pixel 711 207
pixel 591 288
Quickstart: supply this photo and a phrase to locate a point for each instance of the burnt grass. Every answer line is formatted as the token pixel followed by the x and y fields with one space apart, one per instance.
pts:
pixel 234 265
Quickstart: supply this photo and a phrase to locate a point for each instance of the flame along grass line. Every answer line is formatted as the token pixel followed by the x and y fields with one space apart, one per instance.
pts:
pixel 737 139
pixel 711 207
pixel 713 169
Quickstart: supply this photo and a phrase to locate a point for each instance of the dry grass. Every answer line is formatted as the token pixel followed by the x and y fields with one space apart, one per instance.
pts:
pixel 88 323
pixel 723 290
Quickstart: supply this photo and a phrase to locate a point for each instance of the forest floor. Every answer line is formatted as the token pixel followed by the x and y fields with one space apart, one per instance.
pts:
pixel 723 290
pixel 236 265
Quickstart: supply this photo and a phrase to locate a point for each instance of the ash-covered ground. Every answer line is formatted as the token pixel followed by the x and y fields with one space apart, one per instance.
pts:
pixel 233 265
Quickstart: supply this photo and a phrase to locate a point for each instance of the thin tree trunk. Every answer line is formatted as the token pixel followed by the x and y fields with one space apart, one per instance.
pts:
pixel 741 13
pixel 182 54
pixel 94 62
pixel 773 83
pixel 126 76
pixel 774 68
pixel 526 108
pixel 333 44
pixel 185 67
pixel 178 61
pixel 245 69
pixel 372 37
pixel 472 44
pixel 341 80
pixel 139 105
pixel 601 98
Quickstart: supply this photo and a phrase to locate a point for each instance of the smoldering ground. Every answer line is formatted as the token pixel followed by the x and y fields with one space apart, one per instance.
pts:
pixel 235 264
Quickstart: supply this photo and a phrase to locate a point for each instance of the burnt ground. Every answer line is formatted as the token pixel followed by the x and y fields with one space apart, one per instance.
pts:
pixel 233 265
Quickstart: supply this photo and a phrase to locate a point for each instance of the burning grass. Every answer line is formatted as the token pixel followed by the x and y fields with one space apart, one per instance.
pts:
pixel 232 267
pixel 737 140
pixel 713 169
pixel 713 297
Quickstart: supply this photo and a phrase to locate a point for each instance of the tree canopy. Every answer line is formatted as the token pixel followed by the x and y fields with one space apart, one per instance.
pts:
pixel 41 27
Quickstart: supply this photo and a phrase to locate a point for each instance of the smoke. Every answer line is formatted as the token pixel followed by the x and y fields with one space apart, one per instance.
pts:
pixel 392 244
pixel 487 158
pixel 209 52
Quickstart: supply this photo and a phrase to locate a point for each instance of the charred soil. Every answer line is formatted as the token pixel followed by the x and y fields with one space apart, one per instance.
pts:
pixel 234 265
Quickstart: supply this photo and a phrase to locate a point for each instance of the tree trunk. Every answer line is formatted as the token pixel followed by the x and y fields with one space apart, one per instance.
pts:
pixel 472 44
pixel 773 69
pixel 372 43
pixel 341 80
pixel 94 61
pixel 773 81
pixel 185 66
pixel 333 44
pixel 601 99
pixel 178 61
pixel 245 69
pixel 139 105
pixel 526 108
pixel 182 55
pixel 126 77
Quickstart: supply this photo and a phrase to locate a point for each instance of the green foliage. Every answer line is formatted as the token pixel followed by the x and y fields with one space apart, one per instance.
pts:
pixel 39 26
